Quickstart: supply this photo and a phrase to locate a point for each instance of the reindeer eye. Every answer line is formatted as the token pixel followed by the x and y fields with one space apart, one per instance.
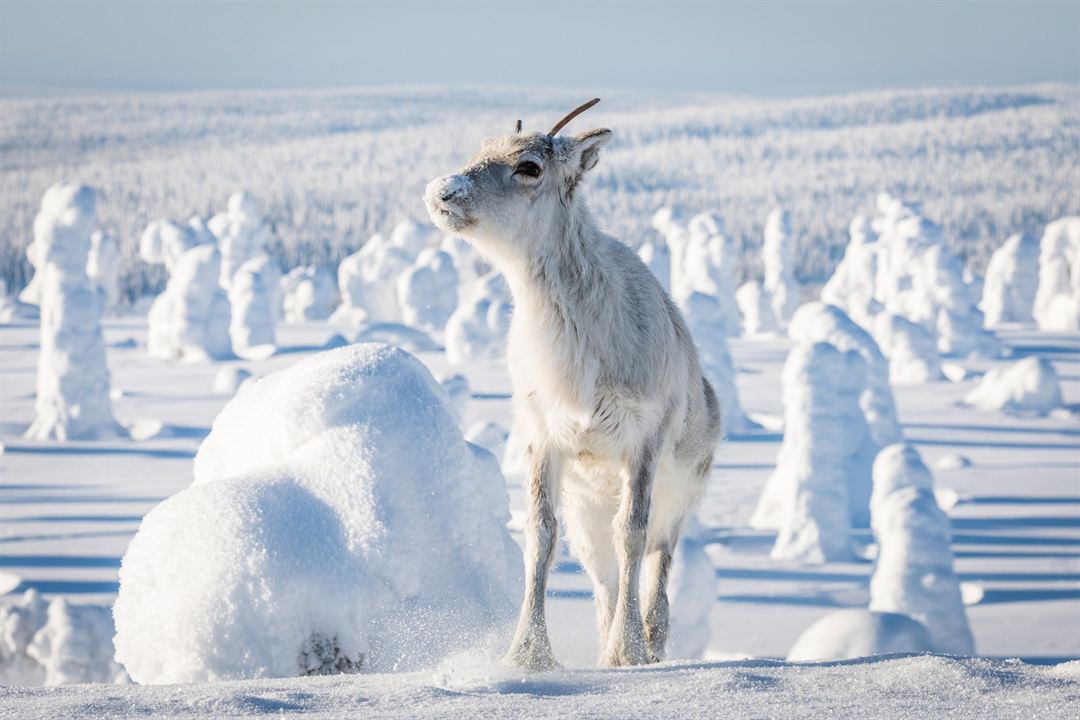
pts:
pixel 528 168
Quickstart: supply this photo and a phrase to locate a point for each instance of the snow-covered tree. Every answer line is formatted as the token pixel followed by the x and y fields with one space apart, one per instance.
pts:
pixel 806 497
pixel 912 352
pixel 478 328
pixel 778 256
pixel 1011 281
pixel 308 293
pixel 755 306
pixel 103 268
pixel 254 298
pixel 190 320
pixel 705 318
pixel 1057 300
pixel 241 234
pixel 367 280
pixel 73 379
pixel 914 575
pixel 708 268
pixel 428 291
pixel 851 287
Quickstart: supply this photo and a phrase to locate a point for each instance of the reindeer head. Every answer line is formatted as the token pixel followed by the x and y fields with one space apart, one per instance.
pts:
pixel 516 185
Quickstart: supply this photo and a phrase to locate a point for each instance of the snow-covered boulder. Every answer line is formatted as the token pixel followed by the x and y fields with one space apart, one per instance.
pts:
pixel 706 319
pixel 254 296
pixel 778 256
pixel 56 643
pixel 1057 300
pixel 190 320
pixel 103 268
pixel 691 595
pixel 428 291
pixel 806 497
pixel 308 293
pixel 1011 280
pixel 72 377
pixel 478 328
pixel 755 306
pixel 855 633
pixel 851 287
pixel 241 234
pixel 912 352
pixel 914 575
pixel 337 521
pixel 818 322
pixel 367 280
pixel 1029 385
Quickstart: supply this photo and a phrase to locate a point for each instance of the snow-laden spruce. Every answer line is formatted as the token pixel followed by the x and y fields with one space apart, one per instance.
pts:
pixel 72 377
pixel 818 322
pixel 308 293
pixel 103 268
pixel 912 352
pixel 1057 300
pixel 708 266
pixel 692 593
pixel 921 280
pixel 807 496
pixel 165 242
pixel 241 234
pixel 1011 281
pixel 851 287
pixel 479 327
pixel 706 317
pixel 55 643
pixel 255 301
pixel 778 257
pixel 755 306
pixel 427 291
pixel 337 521
pixel 1030 386
pixel 856 633
pixel 914 574
pixel 459 393
pixel 190 320
pixel 367 280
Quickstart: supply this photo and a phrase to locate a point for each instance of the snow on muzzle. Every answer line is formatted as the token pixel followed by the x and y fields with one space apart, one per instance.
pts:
pixel 447 199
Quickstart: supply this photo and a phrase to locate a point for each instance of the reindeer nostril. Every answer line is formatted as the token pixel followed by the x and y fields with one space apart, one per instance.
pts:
pixel 447 197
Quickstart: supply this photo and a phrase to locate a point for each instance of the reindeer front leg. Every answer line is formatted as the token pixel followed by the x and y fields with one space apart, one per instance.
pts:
pixel 531 647
pixel 626 639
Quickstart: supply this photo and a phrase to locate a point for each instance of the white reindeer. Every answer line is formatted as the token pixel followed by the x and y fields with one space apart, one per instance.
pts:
pixel 619 422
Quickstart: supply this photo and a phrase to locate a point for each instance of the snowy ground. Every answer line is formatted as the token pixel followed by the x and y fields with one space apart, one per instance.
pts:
pixel 68 511
pixel 896 687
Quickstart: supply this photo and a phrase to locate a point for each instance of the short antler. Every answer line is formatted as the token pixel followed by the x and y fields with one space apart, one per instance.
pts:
pixel 517 129
pixel 573 114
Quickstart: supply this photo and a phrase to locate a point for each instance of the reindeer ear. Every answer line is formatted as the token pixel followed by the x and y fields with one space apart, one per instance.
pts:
pixel 586 149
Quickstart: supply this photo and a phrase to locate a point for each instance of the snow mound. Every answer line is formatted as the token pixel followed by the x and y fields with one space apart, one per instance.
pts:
pixel 952 461
pixel 807 496
pixel 856 633
pixel 1011 281
pixel 337 521
pixel 914 574
pixel 1057 299
pixel 55 643
pixel 1029 385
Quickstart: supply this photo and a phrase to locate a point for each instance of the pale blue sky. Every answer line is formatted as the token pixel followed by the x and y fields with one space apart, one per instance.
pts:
pixel 755 48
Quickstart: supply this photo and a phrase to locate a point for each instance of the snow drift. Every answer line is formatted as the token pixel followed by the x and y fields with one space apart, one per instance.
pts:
pixel 855 632
pixel 1029 385
pixel 337 521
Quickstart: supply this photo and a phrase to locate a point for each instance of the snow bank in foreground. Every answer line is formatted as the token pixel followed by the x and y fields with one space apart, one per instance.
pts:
pixel 337 521
pixel 55 643
pixel 855 633
pixel 1030 385
pixel 924 686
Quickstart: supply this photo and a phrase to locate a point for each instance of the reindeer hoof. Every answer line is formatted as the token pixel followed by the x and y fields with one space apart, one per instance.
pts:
pixel 625 654
pixel 532 653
